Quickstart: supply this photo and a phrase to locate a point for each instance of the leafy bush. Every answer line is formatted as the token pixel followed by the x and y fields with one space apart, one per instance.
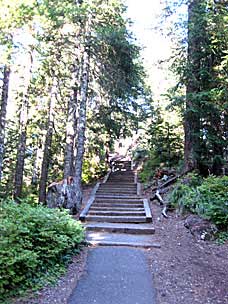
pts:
pixel 185 188
pixel 222 237
pixel 34 241
pixel 148 170
pixel 92 169
pixel 210 199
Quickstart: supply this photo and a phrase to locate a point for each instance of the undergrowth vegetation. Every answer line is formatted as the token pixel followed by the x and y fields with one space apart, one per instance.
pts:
pixel 206 197
pixel 148 170
pixel 35 246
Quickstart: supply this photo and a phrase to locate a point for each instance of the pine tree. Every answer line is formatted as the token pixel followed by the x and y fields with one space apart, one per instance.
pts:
pixel 23 121
pixel 4 102
pixel 47 144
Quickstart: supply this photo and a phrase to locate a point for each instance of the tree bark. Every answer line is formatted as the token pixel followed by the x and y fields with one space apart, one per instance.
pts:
pixel 47 147
pixel 70 136
pixel 81 132
pixel 4 101
pixel 37 164
pixel 20 159
pixel 191 118
pixel 71 129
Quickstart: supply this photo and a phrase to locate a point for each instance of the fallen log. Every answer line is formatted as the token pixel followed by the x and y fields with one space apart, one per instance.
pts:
pixel 158 196
pixel 167 183
pixel 170 181
pixel 162 202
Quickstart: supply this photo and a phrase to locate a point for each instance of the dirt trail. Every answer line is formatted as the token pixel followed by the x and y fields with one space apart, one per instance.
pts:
pixel 187 271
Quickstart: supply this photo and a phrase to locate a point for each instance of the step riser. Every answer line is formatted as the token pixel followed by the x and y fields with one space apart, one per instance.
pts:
pixel 121 176
pixel 118 187
pixel 119 181
pixel 116 219
pixel 117 213
pixel 123 196
pixel 147 231
pixel 124 244
pixel 117 190
pixel 118 205
pixel 104 192
pixel 126 177
pixel 119 200
pixel 115 209
pixel 123 201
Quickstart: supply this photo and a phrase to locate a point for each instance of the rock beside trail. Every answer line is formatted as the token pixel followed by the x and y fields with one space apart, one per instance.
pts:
pixel 202 229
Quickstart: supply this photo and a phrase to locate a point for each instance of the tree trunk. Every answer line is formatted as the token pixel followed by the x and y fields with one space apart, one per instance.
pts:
pixel 4 101
pixel 20 159
pixel 81 133
pixel 37 164
pixel 70 136
pixel 71 128
pixel 191 118
pixel 47 147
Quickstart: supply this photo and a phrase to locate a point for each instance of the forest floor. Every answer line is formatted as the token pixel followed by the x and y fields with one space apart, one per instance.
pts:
pixel 185 270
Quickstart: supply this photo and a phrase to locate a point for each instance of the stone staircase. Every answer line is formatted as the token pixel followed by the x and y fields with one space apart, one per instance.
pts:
pixel 116 213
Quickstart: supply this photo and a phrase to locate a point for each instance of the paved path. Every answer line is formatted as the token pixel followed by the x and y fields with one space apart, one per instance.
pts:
pixel 115 275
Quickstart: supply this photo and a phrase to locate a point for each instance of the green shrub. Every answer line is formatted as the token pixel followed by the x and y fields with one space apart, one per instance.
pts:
pixel 210 199
pixel 93 169
pixel 222 237
pixel 184 189
pixel 179 195
pixel 34 240
pixel 148 169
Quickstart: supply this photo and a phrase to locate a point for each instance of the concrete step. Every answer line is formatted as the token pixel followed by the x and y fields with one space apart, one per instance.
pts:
pixel 118 200
pixel 118 205
pixel 115 193
pixel 116 185
pixel 119 239
pixel 120 228
pixel 120 182
pixel 121 176
pixel 97 208
pixel 122 173
pixel 116 219
pixel 117 196
pixel 117 190
pixel 116 213
pixel 117 178
pixel 126 179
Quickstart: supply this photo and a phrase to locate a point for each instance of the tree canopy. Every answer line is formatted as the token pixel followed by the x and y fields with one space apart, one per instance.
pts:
pixel 72 73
